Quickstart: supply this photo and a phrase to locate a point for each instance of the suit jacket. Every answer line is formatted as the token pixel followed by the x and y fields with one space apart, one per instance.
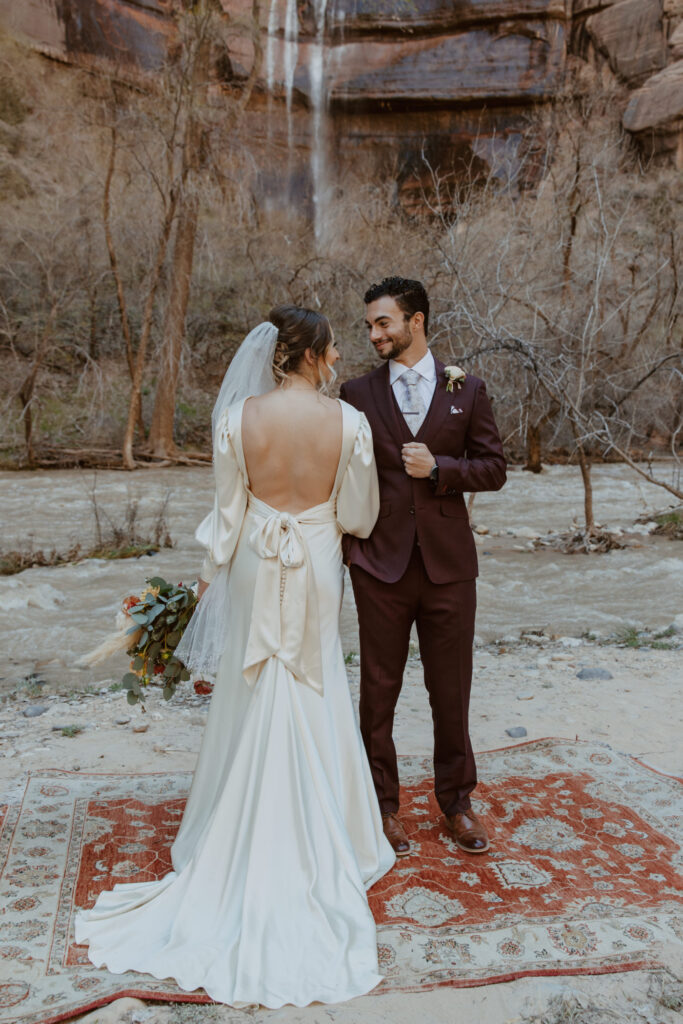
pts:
pixel 460 431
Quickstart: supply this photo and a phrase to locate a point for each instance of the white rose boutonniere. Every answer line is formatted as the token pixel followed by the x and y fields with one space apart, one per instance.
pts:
pixel 455 376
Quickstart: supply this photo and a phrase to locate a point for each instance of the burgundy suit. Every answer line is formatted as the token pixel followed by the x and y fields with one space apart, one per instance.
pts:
pixel 419 566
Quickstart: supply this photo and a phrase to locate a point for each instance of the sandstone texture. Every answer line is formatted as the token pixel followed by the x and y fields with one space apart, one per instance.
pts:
pixel 518 62
pixel 630 35
pixel 655 113
pixel 450 80
pixel 676 42
pixel 108 32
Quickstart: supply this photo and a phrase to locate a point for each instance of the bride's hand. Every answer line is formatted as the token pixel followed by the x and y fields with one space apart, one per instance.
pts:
pixel 202 586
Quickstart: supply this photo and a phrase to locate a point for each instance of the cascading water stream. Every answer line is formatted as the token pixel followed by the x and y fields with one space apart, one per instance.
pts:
pixel 290 57
pixel 285 71
pixel 273 23
pixel 316 71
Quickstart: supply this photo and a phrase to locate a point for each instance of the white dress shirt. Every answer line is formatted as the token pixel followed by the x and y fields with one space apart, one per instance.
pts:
pixel 426 368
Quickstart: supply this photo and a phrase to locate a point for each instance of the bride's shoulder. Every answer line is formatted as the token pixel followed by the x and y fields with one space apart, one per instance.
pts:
pixel 350 412
pixel 355 422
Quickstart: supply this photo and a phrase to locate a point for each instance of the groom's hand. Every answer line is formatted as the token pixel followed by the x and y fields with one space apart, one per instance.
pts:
pixel 417 459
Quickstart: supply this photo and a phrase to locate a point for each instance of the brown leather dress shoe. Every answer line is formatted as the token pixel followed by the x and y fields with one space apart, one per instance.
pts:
pixel 396 834
pixel 468 832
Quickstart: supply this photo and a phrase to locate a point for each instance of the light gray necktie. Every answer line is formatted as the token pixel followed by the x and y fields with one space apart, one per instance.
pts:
pixel 412 406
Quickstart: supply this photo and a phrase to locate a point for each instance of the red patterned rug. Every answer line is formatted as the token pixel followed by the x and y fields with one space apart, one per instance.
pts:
pixel 580 877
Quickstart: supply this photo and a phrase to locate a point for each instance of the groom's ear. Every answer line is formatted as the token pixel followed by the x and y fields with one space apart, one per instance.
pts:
pixel 417 321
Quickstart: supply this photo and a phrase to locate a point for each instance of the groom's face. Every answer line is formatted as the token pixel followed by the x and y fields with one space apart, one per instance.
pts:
pixel 388 327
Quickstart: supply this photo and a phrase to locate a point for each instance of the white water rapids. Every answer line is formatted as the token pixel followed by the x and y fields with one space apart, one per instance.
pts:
pixel 50 616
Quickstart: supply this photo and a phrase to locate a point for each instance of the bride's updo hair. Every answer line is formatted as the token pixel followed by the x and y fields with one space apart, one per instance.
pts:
pixel 298 329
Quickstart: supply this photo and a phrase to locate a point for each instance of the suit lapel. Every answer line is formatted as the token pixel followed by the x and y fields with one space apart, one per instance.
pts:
pixel 385 403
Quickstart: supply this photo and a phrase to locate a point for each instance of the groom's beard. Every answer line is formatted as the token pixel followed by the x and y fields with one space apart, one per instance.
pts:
pixel 399 344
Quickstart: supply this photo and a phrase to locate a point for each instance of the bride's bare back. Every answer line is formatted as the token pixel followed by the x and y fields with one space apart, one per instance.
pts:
pixel 292 441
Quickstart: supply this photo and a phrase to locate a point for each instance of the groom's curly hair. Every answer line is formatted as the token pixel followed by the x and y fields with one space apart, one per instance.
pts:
pixel 411 296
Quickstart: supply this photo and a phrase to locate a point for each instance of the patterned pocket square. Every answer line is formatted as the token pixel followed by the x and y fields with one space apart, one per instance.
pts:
pixel 455 411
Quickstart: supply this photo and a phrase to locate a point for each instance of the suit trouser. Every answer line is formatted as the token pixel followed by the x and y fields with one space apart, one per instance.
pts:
pixel 444 616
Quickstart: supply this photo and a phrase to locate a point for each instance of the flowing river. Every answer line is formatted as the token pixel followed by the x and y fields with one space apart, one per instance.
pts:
pixel 51 616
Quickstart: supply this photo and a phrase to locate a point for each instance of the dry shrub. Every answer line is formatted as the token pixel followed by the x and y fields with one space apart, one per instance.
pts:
pixel 554 275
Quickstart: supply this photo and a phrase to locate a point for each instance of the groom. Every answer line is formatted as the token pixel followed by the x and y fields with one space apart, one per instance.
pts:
pixel 434 439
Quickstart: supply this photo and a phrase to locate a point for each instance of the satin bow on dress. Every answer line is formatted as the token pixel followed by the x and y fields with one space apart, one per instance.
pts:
pixel 284 618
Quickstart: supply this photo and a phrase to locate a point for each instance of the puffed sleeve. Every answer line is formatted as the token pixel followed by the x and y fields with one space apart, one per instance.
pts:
pixel 220 531
pixel 358 496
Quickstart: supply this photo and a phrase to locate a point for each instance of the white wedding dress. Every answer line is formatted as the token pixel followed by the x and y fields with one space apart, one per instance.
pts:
pixel 282 832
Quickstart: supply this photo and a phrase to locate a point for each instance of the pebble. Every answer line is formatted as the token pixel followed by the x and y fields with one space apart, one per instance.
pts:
pixel 516 732
pixel 122 721
pixel 34 710
pixel 142 727
pixel 677 624
pixel 525 696
pixel 594 673
pixel 571 641
pixel 526 531
pixel 483 530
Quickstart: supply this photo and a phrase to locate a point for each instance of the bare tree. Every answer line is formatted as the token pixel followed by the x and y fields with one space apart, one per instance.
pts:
pixel 199 33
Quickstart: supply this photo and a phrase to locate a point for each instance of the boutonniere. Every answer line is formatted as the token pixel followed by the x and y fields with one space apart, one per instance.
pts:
pixel 454 375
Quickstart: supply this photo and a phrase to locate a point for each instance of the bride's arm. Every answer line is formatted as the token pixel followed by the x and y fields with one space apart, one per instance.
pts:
pixel 358 496
pixel 220 531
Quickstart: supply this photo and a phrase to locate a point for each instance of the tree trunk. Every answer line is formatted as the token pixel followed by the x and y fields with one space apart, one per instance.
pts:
pixel 27 389
pixel 161 441
pixel 533 448
pixel 114 264
pixel 136 388
pixel 25 397
pixel 585 464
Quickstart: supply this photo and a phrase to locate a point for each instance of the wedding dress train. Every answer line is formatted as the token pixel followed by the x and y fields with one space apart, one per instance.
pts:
pixel 282 833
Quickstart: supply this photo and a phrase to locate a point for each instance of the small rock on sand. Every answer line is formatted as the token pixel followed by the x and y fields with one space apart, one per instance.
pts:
pixel 594 673
pixel 34 710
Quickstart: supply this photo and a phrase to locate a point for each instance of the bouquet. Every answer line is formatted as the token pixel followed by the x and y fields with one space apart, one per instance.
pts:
pixel 150 626
pixel 159 615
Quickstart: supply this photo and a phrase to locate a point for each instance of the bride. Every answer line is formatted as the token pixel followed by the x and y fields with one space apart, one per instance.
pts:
pixel 282 833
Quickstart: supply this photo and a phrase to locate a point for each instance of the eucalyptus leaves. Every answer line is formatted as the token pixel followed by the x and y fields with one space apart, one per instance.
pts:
pixel 159 617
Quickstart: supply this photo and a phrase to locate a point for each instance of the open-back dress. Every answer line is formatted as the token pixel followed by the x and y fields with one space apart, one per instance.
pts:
pixel 282 833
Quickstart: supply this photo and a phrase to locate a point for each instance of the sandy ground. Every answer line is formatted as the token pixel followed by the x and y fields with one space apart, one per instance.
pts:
pixel 529 681
pixel 529 684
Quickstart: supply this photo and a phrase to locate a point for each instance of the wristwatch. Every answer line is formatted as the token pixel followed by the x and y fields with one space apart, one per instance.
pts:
pixel 434 475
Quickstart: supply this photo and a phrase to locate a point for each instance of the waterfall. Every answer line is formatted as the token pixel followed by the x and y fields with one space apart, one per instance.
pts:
pixel 270 45
pixel 316 71
pixel 291 54
pixel 284 70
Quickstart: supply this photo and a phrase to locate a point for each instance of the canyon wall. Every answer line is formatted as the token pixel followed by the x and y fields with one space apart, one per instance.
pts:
pixel 395 89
